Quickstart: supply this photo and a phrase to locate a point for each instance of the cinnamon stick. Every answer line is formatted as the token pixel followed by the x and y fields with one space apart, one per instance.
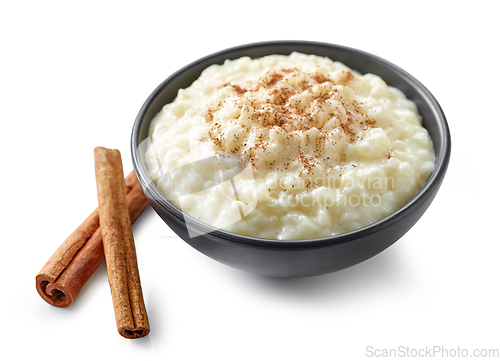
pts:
pixel 76 259
pixel 118 243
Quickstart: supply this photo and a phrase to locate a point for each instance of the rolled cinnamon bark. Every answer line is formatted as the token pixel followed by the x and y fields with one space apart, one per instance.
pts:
pixel 76 259
pixel 118 243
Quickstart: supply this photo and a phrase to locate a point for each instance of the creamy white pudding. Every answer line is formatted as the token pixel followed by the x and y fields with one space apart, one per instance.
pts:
pixel 289 147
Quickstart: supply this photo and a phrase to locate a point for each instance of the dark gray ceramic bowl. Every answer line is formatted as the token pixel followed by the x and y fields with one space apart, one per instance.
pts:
pixel 310 256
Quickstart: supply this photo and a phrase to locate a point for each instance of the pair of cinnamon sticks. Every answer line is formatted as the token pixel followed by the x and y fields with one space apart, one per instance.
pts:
pixel 106 233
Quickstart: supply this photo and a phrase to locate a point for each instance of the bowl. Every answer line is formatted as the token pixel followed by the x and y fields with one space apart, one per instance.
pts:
pixel 308 257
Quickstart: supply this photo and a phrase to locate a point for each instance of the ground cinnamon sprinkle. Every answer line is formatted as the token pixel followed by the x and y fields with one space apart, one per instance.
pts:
pixel 239 90
pixel 320 77
pixel 273 79
pixel 294 105
pixel 346 77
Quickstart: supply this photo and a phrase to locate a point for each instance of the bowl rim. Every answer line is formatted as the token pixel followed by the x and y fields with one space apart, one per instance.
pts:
pixel 440 163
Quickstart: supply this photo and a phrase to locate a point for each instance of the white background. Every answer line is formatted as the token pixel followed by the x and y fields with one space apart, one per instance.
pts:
pixel 73 77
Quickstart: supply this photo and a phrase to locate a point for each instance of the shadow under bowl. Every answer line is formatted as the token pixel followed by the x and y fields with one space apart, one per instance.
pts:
pixel 308 257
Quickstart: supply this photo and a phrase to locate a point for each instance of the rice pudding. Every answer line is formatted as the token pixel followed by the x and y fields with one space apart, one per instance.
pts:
pixel 288 147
